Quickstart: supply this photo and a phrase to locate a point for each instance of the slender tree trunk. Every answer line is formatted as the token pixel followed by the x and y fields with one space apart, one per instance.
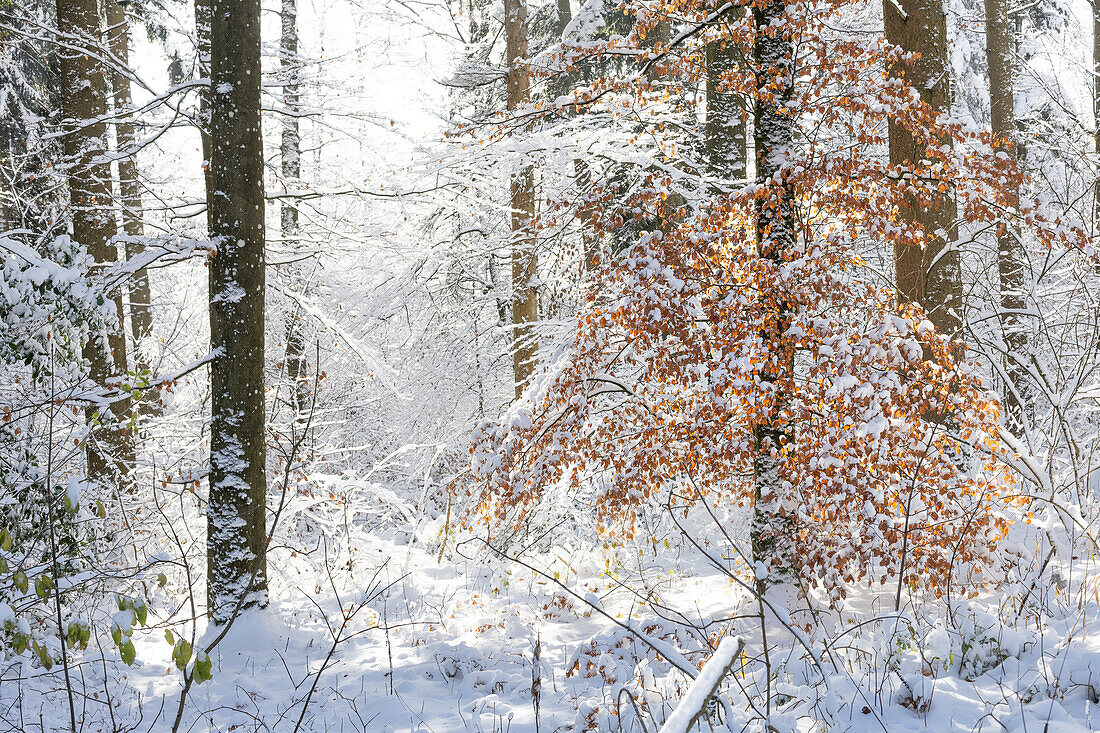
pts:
pixel 929 275
pixel 565 15
pixel 671 210
pixel 1096 108
pixel 590 240
pixel 1000 48
pixel 776 235
pixel 202 35
pixel 236 514
pixel 291 169
pixel 525 310
pixel 582 173
pixel 725 137
pixel 110 452
pixel 141 307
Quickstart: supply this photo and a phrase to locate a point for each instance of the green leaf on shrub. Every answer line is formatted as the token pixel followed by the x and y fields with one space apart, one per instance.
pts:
pixel 202 668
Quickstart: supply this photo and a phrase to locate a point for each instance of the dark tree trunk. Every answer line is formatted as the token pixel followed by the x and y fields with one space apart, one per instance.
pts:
pixel 236 514
pixel 110 451
pixel 1000 48
pixel 929 275
pixel 590 241
pixel 141 307
pixel 525 309
pixel 776 235
pixel 726 137
pixel 565 15
pixel 202 35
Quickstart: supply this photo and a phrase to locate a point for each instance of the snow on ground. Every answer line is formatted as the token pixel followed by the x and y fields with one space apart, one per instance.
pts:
pixel 459 641
pixel 449 646
pixel 465 645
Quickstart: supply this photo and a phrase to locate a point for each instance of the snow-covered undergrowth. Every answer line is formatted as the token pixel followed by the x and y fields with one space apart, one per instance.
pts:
pixel 389 633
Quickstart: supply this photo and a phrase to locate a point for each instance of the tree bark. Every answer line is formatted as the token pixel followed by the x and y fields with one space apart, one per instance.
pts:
pixel 590 241
pixel 1096 109
pixel 582 173
pixel 659 35
pixel 1000 47
pixel 141 307
pixel 110 451
pixel 525 309
pixel 725 135
pixel 776 236
pixel 565 15
pixel 236 514
pixel 291 170
pixel 202 36
pixel 930 275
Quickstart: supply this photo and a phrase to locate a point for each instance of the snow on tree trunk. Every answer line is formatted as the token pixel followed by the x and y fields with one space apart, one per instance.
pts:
pixel 110 451
pixel 202 42
pixel 582 174
pixel 291 170
pixel 141 308
pixel 525 308
pixel 929 275
pixel 773 131
pixel 236 522
pixel 725 136
pixel 1096 109
pixel 1000 48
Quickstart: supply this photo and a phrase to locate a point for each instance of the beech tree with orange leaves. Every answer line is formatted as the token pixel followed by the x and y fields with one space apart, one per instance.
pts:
pixel 747 349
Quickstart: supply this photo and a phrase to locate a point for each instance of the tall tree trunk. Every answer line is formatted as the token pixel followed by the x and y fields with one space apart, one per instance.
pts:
pixel 202 36
pixel 1000 48
pixel 776 235
pixel 930 275
pixel 291 169
pixel 84 101
pixel 590 240
pixel 582 173
pixel 236 513
pixel 1096 109
pixel 671 210
pixel 725 136
pixel 659 35
pixel 525 309
pixel 141 307
pixel 565 15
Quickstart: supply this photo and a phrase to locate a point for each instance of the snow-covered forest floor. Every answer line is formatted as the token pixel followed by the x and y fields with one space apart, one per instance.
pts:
pixel 395 639
pixel 468 642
